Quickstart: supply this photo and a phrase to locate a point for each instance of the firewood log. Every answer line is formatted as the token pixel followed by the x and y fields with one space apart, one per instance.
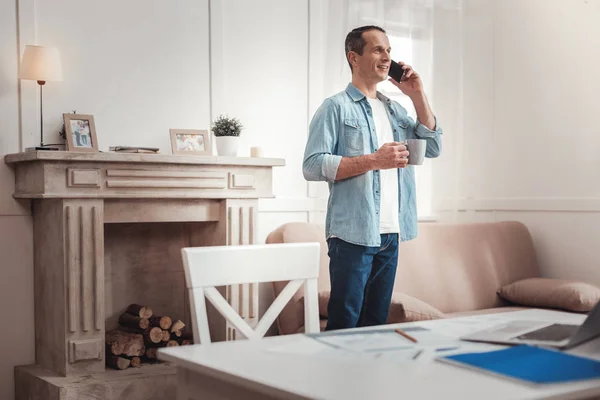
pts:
pixel 139 311
pixel 132 330
pixel 186 338
pixel 118 362
pixel 162 322
pixel 166 336
pixel 172 343
pixel 135 362
pixel 151 353
pixel 152 336
pixel 133 321
pixel 177 326
pixel 114 348
pixel 133 343
pixel 176 335
pixel 184 341
pixel 155 335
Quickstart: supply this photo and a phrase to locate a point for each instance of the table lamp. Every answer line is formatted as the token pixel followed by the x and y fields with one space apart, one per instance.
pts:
pixel 41 64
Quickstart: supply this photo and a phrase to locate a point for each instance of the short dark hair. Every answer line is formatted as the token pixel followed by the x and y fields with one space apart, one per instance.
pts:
pixel 355 42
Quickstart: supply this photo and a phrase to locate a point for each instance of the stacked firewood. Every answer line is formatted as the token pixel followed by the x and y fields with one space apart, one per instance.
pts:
pixel 140 334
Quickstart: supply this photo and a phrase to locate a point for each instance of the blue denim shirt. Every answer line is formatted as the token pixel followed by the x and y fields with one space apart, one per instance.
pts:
pixel 343 126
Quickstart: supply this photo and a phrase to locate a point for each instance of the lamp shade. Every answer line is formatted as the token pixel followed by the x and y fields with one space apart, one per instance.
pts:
pixel 41 63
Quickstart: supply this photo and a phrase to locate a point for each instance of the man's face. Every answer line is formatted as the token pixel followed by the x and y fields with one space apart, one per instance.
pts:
pixel 373 65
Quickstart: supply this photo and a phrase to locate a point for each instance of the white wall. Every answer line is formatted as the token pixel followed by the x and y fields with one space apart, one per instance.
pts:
pixel 529 148
pixel 147 72
pixel 16 230
pixel 259 70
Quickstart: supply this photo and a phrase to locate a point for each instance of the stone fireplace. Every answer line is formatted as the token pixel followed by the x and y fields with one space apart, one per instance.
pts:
pixel 108 229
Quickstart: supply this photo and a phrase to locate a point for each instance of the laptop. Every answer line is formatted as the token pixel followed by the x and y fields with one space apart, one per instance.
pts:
pixel 535 333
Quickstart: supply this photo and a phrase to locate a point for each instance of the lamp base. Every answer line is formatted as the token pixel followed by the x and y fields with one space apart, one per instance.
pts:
pixel 36 148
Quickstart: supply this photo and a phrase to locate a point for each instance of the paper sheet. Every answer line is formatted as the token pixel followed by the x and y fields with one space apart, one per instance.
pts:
pixel 383 339
pixel 385 344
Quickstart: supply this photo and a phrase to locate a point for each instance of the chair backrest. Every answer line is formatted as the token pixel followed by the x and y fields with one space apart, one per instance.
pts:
pixel 231 266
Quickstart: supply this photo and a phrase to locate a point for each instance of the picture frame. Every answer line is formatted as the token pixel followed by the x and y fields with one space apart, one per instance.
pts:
pixel 191 142
pixel 80 132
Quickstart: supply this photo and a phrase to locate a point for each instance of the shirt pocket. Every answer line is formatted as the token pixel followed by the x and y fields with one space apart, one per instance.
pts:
pixel 402 126
pixel 354 134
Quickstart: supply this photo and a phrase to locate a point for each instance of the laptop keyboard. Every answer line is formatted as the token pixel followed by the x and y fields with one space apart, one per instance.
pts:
pixel 553 333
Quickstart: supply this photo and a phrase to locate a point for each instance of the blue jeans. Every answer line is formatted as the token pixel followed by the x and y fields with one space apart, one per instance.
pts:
pixel 362 280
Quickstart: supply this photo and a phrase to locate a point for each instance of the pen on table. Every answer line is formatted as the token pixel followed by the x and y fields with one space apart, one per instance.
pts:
pixel 406 335
pixel 447 348
pixel 417 354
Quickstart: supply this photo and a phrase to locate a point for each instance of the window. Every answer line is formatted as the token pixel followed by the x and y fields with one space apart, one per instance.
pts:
pixel 402 49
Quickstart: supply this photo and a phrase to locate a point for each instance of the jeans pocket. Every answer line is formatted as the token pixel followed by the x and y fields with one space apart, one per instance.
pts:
pixel 386 244
pixel 390 239
pixel 332 247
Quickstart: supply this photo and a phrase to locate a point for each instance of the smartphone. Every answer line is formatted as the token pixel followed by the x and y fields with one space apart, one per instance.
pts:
pixel 396 71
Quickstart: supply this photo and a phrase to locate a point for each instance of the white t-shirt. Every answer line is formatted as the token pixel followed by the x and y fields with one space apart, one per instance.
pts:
pixel 388 211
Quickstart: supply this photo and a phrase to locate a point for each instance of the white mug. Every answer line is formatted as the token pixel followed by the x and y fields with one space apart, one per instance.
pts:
pixel 416 150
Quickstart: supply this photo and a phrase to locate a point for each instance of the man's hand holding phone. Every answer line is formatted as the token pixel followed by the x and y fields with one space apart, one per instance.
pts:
pixel 405 78
pixel 391 155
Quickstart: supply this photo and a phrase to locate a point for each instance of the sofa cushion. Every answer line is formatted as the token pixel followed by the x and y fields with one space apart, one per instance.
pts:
pixel 403 308
pixel 552 293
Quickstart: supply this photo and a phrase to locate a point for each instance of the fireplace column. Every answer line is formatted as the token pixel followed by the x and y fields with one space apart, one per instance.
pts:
pixel 241 230
pixel 69 285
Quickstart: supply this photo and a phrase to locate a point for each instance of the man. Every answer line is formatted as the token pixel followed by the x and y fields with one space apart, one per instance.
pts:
pixel 356 144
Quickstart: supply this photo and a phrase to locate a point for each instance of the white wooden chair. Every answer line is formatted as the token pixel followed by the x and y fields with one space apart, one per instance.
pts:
pixel 208 267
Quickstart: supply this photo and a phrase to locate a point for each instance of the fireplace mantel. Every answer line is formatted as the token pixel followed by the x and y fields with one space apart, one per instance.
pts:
pixel 61 174
pixel 74 196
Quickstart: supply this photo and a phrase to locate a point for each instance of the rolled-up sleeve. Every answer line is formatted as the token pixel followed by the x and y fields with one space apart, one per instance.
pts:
pixel 320 162
pixel 433 137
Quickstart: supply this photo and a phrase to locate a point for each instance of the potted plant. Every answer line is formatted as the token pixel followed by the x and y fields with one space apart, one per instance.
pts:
pixel 227 132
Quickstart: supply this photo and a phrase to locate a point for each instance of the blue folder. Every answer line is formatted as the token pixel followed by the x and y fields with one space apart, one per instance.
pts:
pixel 529 363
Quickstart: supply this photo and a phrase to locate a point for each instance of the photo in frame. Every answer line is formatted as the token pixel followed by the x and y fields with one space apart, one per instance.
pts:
pixel 80 132
pixel 190 141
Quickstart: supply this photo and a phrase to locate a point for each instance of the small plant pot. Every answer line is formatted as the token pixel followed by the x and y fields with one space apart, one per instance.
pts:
pixel 227 146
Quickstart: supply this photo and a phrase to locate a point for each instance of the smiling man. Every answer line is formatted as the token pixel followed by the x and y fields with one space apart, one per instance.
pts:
pixel 356 143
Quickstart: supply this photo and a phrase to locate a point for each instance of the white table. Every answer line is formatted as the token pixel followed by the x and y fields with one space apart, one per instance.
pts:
pixel 277 367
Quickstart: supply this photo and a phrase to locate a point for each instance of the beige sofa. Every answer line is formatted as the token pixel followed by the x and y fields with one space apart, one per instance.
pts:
pixel 448 270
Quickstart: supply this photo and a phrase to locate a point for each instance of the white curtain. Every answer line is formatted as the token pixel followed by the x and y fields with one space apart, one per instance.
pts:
pixel 423 33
